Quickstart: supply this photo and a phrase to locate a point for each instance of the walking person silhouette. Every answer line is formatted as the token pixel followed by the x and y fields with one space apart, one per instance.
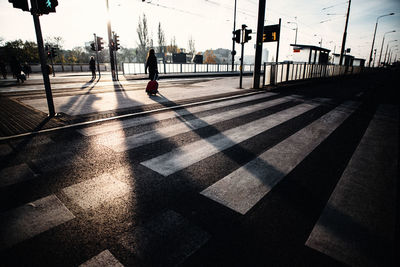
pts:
pixel 151 64
pixel 92 66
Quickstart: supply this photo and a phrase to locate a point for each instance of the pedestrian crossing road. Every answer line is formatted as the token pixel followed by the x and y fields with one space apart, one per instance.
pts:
pixel 254 180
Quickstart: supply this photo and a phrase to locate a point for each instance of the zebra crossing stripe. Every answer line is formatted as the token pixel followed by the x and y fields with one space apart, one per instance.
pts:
pixel 105 258
pixel 92 193
pixel 360 215
pixel 133 141
pixel 32 219
pixel 243 188
pixel 184 156
pixel 119 125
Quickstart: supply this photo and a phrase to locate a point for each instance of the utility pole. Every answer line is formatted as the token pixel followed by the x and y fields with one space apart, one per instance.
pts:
pixel 233 41
pixel 109 44
pixel 259 43
pixel 344 35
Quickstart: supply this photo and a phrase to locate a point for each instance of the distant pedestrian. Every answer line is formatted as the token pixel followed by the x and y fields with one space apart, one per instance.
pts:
pixel 3 69
pixel 92 66
pixel 151 63
pixel 26 69
pixel 16 69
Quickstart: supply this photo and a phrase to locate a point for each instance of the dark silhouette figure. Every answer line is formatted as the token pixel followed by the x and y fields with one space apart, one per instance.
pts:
pixel 92 66
pixel 151 63
pixel 16 69
pixel 3 69
pixel 27 69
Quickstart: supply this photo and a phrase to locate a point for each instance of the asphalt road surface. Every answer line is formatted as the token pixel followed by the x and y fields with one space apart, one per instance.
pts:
pixel 299 176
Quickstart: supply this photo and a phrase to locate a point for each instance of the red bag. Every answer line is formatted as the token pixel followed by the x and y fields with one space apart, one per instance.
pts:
pixel 152 88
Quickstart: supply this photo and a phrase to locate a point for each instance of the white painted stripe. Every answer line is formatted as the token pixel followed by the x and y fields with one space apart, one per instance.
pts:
pixel 243 188
pixel 360 215
pixel 15 174
pixel 119 125
pixel 80 124
pixel 32 219
pixel 187 155
pixel 119 144
pixel 105 258
pixel 94 192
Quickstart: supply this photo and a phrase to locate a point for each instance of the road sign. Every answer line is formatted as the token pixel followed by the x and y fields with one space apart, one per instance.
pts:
pixel 271 33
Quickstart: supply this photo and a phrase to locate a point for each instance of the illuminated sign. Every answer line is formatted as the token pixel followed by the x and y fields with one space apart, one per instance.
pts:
pixel 271 33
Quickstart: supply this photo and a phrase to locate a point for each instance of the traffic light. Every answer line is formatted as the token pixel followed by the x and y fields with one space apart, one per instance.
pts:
pixel 236 36
pixel 116 42
pixel 21 4
pixel 93 46
pixel 54 52
pixel 100 43
pixel 46 6
pixel 247 36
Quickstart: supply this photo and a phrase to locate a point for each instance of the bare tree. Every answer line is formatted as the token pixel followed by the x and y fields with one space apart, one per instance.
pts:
pixel 172 48
pixel 144 39
pixel 161 39
pixel 191 46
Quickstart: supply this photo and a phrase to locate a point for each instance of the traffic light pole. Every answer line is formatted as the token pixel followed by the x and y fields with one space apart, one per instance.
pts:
pixel 97 54
pixel 259 43
pixel 241 67
pixel 42 57
pixel 52 61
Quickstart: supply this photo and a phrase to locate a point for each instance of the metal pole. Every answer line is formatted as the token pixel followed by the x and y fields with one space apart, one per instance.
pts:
pixel 277 45
pixel 42 57
pixel 373 42
pixel 52 61
pixel 97 54
pixel 233 41
pixel 259 43
pixel 109 43
pixel 387 47
pixel 374 57
pixel 295 39
pixel 380 54
pixel 277 53
pixel 241 65
pixel 344 35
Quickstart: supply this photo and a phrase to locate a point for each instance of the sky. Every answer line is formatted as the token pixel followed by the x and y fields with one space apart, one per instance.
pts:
pixel 210 23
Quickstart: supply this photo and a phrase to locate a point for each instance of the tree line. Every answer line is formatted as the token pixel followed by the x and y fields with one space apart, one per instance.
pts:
pixel 27 51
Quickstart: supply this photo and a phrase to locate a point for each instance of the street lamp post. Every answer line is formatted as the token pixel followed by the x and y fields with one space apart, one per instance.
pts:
pixel 320 42
pixel 391 54
pixel 233 41
pixel 380 55
pixel 295 39
pixel 373 40
pixel 109 43
pixel 387 47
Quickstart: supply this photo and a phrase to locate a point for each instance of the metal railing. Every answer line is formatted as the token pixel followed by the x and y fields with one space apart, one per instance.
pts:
pixel 284 72
pixel 172 68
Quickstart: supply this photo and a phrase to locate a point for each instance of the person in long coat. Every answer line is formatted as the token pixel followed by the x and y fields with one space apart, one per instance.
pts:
pixel 92 66
pixel 151 64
